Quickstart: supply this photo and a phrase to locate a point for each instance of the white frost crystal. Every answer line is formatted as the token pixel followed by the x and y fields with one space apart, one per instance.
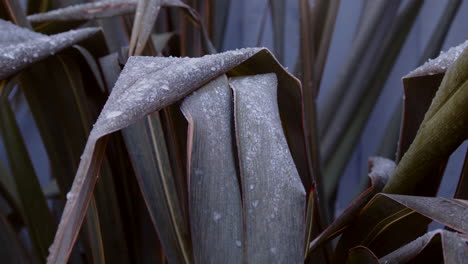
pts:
pixel 439 64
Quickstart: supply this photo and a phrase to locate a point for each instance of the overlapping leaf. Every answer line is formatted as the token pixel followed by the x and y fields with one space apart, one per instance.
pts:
pixel 214 193
pixel 444 126
pixel 388 221
pixel 23 47
pixel 380 171
pixel 148 84
pixel 272 192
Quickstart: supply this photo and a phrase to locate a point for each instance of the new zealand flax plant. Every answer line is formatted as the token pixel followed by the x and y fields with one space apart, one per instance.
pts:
pixel 200 156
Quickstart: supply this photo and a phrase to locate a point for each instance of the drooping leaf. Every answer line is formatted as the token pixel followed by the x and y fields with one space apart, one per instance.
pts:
pixel 388 221
pixel 273 195
pixel 24 47
pixel 427 249
pixel 148 84
pixel 444 126
pixel 380 171
pixel 32 203
pixel 215 199
pixel 361 254
pixel 70 110
pixel 86 11
pixel 462 186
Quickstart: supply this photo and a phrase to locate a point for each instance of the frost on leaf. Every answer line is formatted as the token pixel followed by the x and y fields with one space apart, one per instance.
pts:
pixel 101 9
pixel 148 84
pixel 274 221
pixel 439 64
pixel 20 47
pixel 95 10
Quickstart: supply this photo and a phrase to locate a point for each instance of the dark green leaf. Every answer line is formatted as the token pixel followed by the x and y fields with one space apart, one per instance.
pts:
pixel 388 221
pixel 444 126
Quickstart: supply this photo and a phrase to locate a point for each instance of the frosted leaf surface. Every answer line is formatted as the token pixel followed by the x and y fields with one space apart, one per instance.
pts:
pixel 85 11
pixel 274 220
pixel 439 64
pixel 25 47
pixel 381 167
pixel 214 192
pixel 94 10
pixel 148 84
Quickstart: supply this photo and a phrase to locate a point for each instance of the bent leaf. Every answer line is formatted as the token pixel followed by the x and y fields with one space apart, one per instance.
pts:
pixel 214 194
pixel 273 195
pixel 388 221
pixel 24 47
pixel 421 250
pixel 148 84
pixel 380 171
pixel 361 254
pixel 444 126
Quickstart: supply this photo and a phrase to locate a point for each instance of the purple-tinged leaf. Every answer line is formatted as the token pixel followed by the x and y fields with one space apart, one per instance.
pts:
pixel 23 47
pixel 454 248
pixel 273 194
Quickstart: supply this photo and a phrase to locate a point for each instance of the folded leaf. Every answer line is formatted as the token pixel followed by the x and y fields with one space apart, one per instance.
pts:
pixel 380 171
pixel 444 126
pixel 24 47
pixel 388 221
pixel 148 84
pixel 425 249
pixel 214 193
pixel 273 195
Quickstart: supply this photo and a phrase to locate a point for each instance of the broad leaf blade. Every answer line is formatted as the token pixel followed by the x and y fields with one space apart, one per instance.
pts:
pixel 380 171
pixel 149 84
pixel 273 195
pixel 452 244
pixel 26 47
pixel 388 221
pixel 86 11
pixel 215 200
pixel 444 124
